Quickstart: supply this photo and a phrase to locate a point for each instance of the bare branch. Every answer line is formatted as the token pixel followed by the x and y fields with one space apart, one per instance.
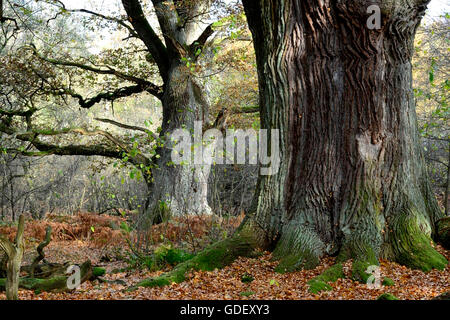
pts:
pixel 144 85
pixel 147 35
pixel 126 126
pixel 110 95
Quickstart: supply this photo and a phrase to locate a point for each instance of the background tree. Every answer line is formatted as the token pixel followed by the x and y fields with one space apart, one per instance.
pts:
pixel 167 71
pixel 431 86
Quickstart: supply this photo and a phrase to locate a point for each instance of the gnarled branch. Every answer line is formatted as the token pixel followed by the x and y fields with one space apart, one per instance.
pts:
pixel 147 35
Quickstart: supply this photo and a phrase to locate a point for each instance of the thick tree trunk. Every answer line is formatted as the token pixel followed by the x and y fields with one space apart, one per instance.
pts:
pixel 178 189
pixel 352 179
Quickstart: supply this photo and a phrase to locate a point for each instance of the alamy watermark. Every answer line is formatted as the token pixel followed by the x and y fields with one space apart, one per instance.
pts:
pixel 211 147
pixel 237 147
pixel 74 279
pixel 374 280
pixel 374 21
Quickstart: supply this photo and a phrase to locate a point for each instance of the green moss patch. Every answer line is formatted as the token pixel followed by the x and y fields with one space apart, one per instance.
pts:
pixel 387 296
pixel 359 270
pixel 246 293
pixel 388 282
pixel 298 261
pixel 320 283
pixel 413 247
pixel 298 248
pixel 215 256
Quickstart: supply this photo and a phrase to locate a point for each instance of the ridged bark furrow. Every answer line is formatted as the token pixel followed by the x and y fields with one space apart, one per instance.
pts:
pixel 351 161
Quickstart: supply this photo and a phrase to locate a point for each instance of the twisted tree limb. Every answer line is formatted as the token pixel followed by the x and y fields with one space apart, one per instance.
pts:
pixel 40 250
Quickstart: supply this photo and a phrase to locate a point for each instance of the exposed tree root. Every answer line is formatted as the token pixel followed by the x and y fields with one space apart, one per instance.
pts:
pixel 412 244
pixel 217 255
pixel 320 283
pixel 298 248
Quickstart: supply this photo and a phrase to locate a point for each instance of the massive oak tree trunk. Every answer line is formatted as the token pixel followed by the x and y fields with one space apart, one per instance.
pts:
pixel 352 179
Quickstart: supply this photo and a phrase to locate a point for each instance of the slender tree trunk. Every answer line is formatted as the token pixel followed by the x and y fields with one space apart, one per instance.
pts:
pixel 352 179
pixel 14 254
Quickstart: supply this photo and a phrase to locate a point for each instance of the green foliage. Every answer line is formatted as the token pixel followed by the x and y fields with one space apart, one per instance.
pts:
pixel 161 257
pixel 125 227
pixel 247 278
pixel 246 293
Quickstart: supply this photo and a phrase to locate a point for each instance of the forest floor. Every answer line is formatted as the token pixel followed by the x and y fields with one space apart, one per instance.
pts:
pixel 102 240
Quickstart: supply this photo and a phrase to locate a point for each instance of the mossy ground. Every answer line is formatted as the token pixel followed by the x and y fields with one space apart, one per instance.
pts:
pixel 360 268
pixel 298 261
pixel 387 296
pixel 320 283
pixel 98 271
pixel 216 256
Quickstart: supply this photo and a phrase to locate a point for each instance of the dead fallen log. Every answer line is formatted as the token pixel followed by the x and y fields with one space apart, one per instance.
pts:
pixel 58 282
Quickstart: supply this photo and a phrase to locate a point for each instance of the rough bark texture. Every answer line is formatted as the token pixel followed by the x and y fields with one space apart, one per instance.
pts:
pixel 179 189
pixel 175 189
pixel 352 179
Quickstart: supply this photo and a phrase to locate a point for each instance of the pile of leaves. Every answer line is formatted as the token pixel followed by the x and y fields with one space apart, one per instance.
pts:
pixel 191 229
pixel 101 229
pixel 246 278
